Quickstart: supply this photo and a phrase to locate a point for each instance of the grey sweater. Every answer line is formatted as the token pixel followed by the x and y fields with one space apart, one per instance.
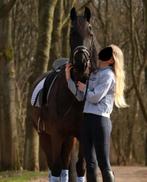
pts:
pixel 100 92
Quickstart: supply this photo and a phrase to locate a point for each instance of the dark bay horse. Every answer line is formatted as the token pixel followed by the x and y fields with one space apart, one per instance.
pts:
pixel 60 119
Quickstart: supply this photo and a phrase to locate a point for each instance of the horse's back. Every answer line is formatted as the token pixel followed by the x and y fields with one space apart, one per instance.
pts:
pixel 42 86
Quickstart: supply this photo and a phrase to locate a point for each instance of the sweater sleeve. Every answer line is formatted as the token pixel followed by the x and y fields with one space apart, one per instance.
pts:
pixel 100 91
pixel 72 87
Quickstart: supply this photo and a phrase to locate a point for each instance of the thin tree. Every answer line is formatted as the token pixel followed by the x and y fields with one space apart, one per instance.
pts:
pixel 40 64
pixel 9 151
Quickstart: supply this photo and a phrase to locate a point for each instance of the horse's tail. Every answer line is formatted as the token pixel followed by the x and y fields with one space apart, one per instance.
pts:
pixel 40 122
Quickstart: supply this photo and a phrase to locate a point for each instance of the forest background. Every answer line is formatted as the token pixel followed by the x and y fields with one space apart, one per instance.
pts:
pixel 33 33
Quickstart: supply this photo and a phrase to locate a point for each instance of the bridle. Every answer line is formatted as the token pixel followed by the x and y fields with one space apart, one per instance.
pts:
pixel 86 52
pixel 82 49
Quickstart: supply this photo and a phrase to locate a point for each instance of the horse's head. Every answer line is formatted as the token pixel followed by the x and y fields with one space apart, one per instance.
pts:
pixel 83 51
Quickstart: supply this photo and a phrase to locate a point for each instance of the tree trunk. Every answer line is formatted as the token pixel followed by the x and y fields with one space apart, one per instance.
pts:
pixel 145 47
pixel 106 23
pixel 56 34
pixel 145 57
pixel 46 14
pixel 65 40
pixel 8 126
pixel 46 17
pixel 145 148
pixel 133 48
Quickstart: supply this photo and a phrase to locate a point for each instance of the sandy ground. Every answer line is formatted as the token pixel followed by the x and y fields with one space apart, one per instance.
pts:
pixel 122 174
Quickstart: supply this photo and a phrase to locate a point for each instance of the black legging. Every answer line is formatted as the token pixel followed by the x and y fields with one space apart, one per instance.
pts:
pixel 95 135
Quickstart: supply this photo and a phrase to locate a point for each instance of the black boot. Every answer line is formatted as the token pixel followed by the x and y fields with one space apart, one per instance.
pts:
pixel 91 177
pixel 108 176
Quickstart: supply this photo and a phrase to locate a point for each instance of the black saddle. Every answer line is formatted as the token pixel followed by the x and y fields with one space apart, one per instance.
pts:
pixel 56 68
pixel 47 85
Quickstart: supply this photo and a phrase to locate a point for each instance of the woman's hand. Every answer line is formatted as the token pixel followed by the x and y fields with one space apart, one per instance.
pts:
pixel 67 71
pixel 81 86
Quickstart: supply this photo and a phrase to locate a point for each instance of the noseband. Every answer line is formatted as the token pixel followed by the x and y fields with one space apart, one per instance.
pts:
pixel 87 54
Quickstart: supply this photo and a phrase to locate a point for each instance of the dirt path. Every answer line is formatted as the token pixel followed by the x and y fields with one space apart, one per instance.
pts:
pixel 122 174
pixel 130 174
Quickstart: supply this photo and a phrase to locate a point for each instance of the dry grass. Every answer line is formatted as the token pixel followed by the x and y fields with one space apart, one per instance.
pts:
pixel 122 174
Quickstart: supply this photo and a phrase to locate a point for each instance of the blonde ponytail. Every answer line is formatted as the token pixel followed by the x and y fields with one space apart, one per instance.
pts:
pixel 120 76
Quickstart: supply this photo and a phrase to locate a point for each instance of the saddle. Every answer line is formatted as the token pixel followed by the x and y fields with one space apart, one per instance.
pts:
pixel 42 89
pixel 48 83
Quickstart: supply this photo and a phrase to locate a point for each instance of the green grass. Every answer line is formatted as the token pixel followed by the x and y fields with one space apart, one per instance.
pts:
pixel 20 176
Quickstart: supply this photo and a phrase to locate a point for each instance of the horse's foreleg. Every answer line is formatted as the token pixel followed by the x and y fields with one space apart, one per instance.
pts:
pixel 51 146
pixel 56 157
pixel 66 157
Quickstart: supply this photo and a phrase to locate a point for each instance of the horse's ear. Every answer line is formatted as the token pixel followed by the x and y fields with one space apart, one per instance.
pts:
pixel 73 14
pixel 87 14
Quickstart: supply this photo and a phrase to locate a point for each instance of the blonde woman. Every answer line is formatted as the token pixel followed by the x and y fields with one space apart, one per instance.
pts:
pixel 106 87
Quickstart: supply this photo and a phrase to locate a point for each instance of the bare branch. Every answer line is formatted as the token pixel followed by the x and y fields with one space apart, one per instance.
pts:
pixel 65 21
pixel 83 5
pixel 127 4
pixel 98 10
